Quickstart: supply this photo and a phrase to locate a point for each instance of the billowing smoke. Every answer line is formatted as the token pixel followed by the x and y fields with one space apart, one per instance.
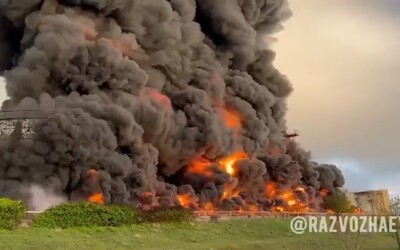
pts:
pixel 41 199
pixel 152 103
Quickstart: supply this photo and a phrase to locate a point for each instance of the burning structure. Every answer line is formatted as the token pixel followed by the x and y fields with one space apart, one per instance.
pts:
pixel 155 103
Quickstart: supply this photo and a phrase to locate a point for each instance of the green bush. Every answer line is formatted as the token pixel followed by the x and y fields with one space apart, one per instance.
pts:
pixel 85 214
pixel 166 215
pixel 11 213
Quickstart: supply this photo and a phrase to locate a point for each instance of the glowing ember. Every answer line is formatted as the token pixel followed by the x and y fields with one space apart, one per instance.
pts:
pixel 357 210
pixel 228 162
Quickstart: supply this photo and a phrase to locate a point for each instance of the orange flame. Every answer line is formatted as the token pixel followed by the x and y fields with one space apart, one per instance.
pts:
pixel 96 197
pixel 200 166
pixel 184 200
pixel 357 210
pixel 228 162
pixel 289 196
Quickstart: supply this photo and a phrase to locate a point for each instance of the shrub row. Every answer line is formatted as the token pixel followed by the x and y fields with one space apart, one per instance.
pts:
pixel 167 215
pixel 85 214
pixel 11 213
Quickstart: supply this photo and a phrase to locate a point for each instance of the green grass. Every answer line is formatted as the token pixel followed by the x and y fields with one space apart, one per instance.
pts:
pixel 235 234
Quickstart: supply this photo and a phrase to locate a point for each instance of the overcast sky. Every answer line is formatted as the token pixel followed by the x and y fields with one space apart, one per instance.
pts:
pixel 343 58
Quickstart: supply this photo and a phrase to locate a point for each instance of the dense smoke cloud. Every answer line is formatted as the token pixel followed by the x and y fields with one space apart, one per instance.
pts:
pixel 140 92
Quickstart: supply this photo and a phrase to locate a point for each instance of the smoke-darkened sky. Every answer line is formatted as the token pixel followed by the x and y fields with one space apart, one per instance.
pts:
pixel 343 59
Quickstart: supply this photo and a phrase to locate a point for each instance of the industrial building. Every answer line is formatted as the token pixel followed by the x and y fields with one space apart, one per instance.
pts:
pixel 371 201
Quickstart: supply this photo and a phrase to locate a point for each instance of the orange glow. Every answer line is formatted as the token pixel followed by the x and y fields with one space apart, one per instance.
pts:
pixel 253 208
pixel 274 151
pixel 300 189
pixel 278 209
pixel 226 194
pixel 200 166
pixel 208 206
pixel 90 33
pixel 97 198
pixel 146 201
pixel 330 211
pixel 184 200
pixel 229 193
pixel 324 192
pixel 228 162
pixel 122 46
pixel 270 189
pixel 217 79
pixel 158 97
pixel 232 119
pixel 357 210
pixel 289 196
pixel 93 173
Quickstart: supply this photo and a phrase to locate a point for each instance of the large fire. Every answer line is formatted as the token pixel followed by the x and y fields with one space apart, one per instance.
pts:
pixel 280 198
pixel 160 103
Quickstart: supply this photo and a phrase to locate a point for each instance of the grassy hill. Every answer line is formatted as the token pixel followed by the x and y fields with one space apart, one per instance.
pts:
pixel 234 234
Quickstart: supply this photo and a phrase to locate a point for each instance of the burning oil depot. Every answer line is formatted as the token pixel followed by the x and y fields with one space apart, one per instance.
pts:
pixel 153 103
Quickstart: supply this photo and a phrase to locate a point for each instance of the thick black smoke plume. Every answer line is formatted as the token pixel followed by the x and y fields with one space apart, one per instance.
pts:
pixel 139 90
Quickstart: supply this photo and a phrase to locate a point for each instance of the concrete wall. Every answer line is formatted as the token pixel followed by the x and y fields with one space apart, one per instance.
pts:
pixel 374 201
